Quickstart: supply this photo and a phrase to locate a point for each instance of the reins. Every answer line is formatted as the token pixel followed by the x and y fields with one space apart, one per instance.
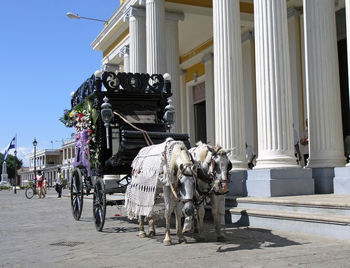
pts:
pixel 144 132
pixel 150 142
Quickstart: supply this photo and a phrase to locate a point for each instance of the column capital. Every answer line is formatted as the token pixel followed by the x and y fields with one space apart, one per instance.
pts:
pixel 110 67
pixel 124 51
pixel 174 16
pixel 207 57
pixel 134 12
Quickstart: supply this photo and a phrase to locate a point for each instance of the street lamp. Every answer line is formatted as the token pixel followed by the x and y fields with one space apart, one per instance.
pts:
pixel 107 116
pixel 35 143
pixel 76 16
pixel 169 115
pixel 15 191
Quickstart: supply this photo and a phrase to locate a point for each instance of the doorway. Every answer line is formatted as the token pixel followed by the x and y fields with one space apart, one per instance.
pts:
pixel 199 108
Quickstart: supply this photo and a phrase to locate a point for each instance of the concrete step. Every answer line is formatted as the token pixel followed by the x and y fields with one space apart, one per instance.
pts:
pixel 317 204
pixel 324 215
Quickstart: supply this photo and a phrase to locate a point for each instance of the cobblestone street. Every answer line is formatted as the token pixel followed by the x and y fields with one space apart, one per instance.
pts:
pixel 43 233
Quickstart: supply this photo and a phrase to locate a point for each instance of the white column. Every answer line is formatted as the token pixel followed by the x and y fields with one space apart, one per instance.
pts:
pixel 248 67
pixel 322 85
pixel 347 15
pixel 228 81
pixel 207 60
pixel 274 101
pixel 137 39
pixel 124 52
pixel 172 62
pixel 155 36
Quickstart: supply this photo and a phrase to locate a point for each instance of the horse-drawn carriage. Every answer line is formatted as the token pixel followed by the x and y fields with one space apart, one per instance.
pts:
pixel 112 126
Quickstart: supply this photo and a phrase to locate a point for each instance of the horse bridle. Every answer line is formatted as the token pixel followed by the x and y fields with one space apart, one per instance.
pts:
pixel 211 181
pixel 212 174
pixel 178 176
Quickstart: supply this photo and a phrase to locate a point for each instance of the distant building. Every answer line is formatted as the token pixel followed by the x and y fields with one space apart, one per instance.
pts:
pixel 68 155
pixel 47 161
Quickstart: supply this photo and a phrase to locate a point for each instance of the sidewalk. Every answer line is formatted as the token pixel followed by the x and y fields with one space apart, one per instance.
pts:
pixel 43 233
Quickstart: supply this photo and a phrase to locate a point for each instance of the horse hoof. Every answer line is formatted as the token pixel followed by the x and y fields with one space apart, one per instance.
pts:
pixel 151 234
pixel 221 238
pixel 183 241
pixel 142 234
pixel 166 242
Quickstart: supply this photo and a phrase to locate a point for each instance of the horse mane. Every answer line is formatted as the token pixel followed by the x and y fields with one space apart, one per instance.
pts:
pixel 179 152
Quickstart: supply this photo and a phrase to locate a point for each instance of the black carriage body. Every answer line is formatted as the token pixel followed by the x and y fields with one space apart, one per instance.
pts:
pixel 141 99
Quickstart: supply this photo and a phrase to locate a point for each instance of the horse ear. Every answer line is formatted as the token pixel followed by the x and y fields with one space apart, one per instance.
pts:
pixel 217 148
pixel 229 151
pixel 199 143
pixel 210 148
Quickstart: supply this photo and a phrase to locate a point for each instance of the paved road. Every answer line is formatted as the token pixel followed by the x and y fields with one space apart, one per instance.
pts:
pixel 43 233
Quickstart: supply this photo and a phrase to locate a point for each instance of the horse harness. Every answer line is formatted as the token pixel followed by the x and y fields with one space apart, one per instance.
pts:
pixel 211 182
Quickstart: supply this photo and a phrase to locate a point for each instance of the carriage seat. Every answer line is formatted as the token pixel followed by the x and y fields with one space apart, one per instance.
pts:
pixel 131 141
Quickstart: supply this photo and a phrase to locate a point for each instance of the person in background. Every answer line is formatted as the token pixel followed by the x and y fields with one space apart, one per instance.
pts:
pixel 304 143
pixel 59 180
pixel 39 179
pixel 296 146
pixel 45 184
pixel 250 155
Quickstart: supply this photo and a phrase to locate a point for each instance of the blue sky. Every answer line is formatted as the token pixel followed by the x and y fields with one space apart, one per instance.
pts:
pixel 44 56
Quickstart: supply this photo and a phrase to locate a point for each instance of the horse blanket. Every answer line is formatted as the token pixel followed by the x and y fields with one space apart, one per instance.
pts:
pixel 148 168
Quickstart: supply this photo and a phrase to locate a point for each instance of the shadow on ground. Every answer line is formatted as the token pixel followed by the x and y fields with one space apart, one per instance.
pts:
pixel 237 238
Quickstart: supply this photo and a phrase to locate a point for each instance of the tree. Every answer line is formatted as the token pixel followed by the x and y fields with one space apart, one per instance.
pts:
pixel 10 164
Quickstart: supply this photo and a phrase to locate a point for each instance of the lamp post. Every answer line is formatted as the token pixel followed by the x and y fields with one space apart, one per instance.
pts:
pixel 35 143
pixel 169 115
pixel 69 175
pixel 107 116
pixel 76 16
pixel 15 191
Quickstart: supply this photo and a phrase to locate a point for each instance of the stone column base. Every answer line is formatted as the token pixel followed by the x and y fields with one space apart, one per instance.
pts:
pixel 342 180
pixel 279 182
pixel 237 183
pixel 323 180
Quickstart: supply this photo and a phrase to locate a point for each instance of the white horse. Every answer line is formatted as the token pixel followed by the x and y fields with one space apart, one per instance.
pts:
pixel 212 182
pixel 162 172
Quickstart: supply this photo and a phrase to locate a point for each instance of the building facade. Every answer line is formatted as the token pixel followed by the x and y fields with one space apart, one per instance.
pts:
pixel 47 161
pixel 68 155
pixel 248 72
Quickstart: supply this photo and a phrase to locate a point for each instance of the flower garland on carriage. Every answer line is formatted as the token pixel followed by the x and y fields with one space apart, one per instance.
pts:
pixel 83 118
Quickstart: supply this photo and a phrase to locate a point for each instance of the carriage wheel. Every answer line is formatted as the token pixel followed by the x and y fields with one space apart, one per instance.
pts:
pixel 76 194
pixel 99 205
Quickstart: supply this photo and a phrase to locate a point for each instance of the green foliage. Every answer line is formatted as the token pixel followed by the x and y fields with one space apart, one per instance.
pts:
pixel 10 164
pixel 5 188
